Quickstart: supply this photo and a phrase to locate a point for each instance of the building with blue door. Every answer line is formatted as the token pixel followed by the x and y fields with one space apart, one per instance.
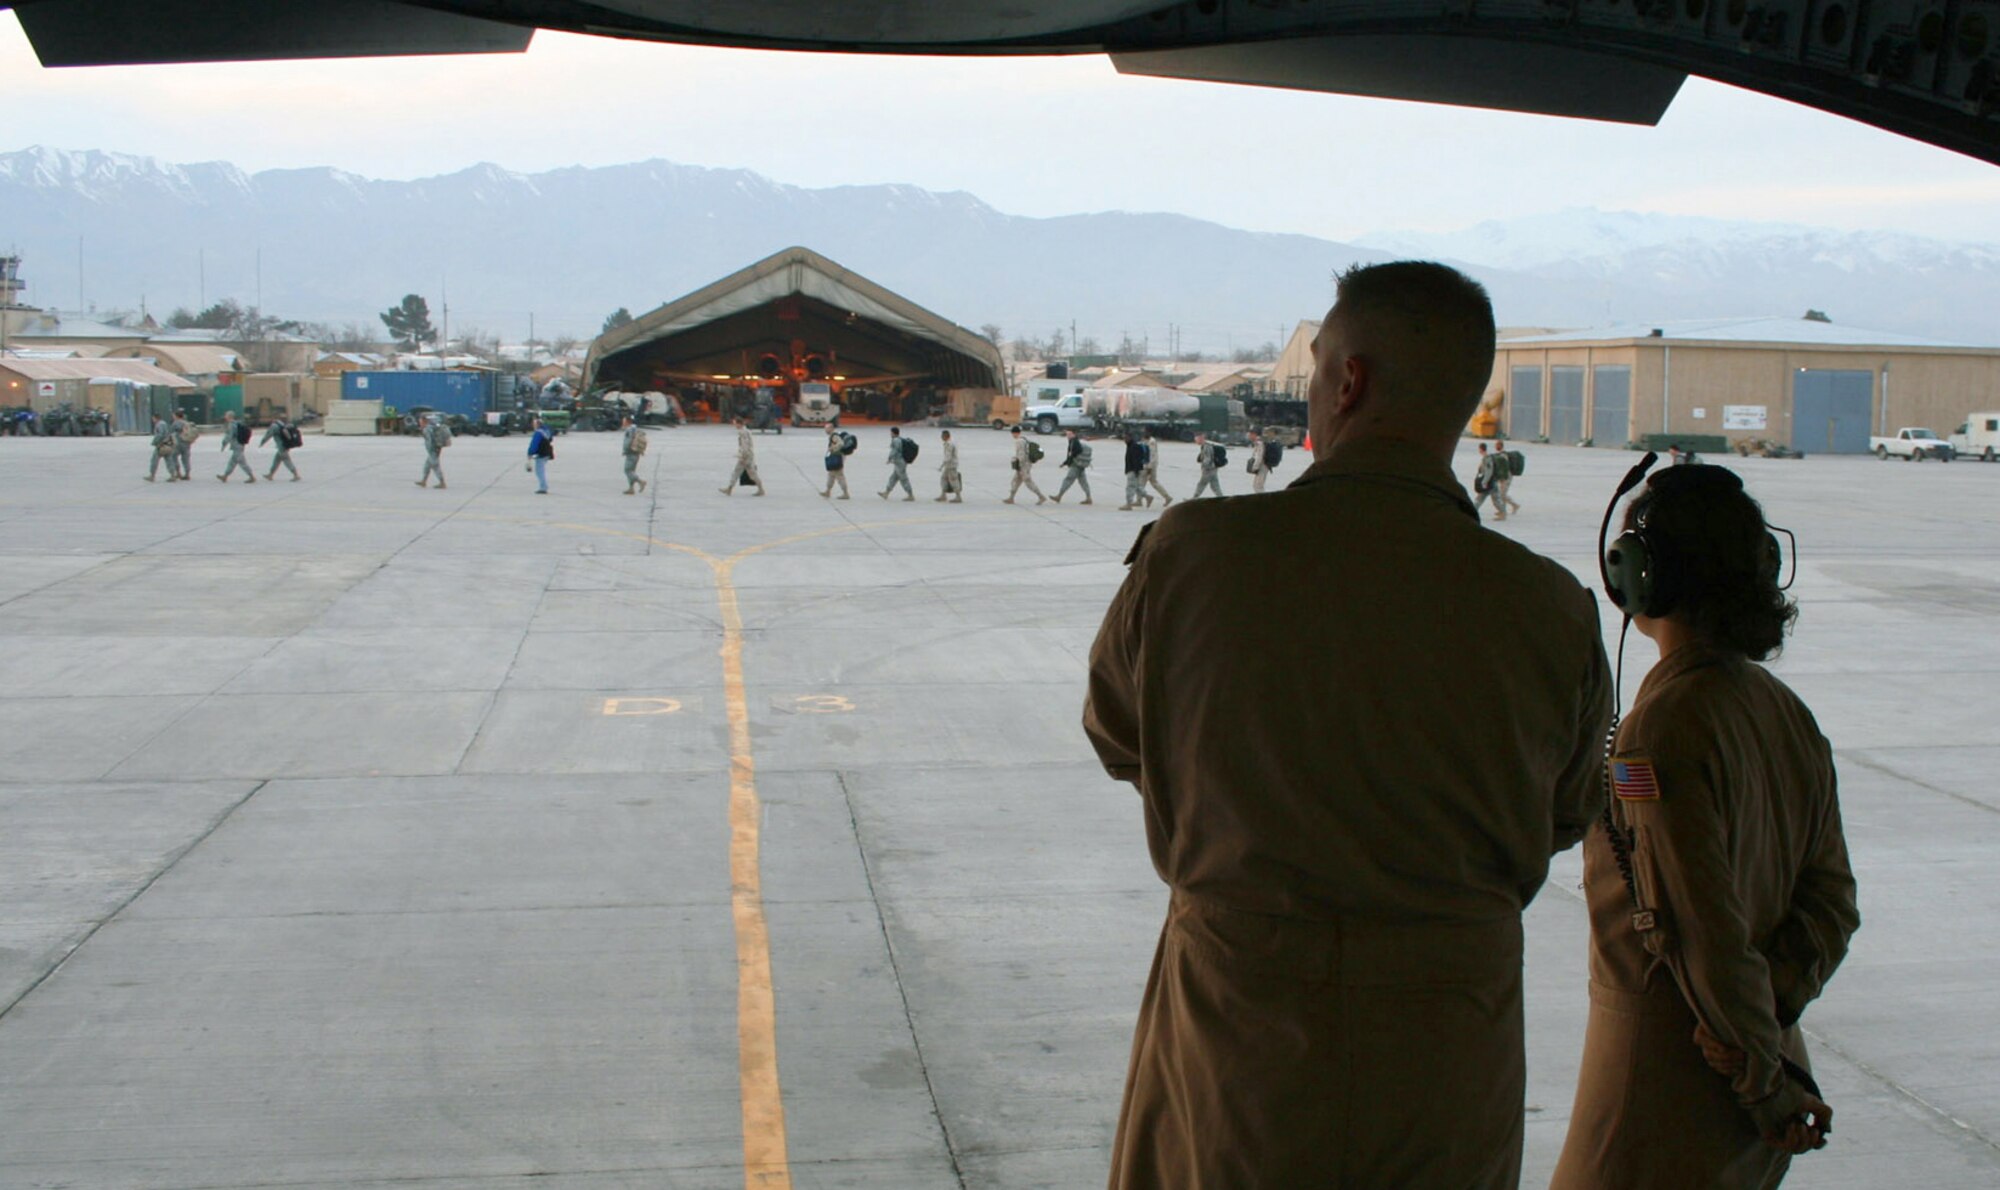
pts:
pixel 1817 386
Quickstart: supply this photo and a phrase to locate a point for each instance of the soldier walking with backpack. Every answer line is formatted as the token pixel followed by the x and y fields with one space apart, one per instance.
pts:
pixel 1507 465
pixel 285 437
pixel 634 449
pixel 948 480
pixel 185 434
pixel 436 437
pixel 1076 461
pixel 1210 457
pixel 1026 454
pixel 745 470
pixel 837 450
pixel 165 447
pixel 235 436
pixel 1135 473
pixel 901 452
pixel 541 448
pixel 1259 465
pixel 1483 487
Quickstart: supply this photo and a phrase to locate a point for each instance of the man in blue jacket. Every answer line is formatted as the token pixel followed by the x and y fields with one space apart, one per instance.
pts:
pixel 541 448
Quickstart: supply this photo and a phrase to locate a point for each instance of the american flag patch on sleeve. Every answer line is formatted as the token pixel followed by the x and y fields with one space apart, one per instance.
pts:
pixel 1634 780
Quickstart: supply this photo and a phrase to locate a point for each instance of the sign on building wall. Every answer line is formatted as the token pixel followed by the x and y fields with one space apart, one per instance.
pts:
pixel 45 388
pixel 1743 417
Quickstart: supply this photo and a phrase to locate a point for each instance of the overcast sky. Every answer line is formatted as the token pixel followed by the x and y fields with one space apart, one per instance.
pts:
pixel 1030 136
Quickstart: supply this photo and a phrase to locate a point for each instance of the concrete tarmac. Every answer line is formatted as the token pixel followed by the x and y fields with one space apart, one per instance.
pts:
pixel 357 834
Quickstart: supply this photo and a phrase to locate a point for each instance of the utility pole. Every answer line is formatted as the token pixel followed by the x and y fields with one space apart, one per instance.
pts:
pixel 1072 338
pixel 444 313
pixel 201 280
pixel 79 274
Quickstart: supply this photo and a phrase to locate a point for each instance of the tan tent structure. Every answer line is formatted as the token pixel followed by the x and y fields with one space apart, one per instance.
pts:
pixel 790 317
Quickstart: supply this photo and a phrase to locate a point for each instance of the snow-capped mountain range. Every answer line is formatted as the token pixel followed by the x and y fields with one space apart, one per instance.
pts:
pixel 569 245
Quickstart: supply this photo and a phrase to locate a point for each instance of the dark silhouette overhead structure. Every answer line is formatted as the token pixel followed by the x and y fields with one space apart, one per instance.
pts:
pixel 1928 69
pixel 792 317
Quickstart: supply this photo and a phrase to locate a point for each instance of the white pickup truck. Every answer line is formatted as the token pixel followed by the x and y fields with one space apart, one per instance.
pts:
pixel 1914 443
pixel 1066 412
pixel 1979 437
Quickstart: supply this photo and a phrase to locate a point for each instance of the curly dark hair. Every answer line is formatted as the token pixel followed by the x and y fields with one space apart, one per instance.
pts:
pixel 1715 561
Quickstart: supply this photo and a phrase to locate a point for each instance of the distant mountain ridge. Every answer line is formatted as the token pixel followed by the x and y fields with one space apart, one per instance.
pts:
pixel 569 245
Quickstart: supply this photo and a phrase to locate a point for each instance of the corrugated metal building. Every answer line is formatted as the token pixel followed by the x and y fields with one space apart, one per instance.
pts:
pixel 1819 387
pixel 1295 363
pixel 130 390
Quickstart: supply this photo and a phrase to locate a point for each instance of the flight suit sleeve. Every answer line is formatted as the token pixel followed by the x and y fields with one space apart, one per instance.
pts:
pixel 1579 792
pixel 1682 866
pixel 1812 939
pixel 1111 707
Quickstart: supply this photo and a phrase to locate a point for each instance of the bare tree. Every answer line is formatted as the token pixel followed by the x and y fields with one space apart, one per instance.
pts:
pixel 351 336
pixel 562 345
pixel 991 333
pixel 474 341
pixel 1025 348
pixel 1058 345
pixel 1088 345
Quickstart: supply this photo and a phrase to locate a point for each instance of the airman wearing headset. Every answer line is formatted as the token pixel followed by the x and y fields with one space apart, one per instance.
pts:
pixel 1720 894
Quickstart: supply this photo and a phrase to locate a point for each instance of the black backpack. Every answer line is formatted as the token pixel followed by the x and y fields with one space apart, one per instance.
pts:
pixel 1515 462
pixel 909 450
pixel 1221 455
pixel 291 437
pixel 242 434
pixel 548 447
pixel 1274 453
pixel 848 443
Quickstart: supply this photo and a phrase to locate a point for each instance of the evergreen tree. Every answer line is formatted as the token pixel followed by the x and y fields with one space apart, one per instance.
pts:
pixel 619 317
pixel 409 322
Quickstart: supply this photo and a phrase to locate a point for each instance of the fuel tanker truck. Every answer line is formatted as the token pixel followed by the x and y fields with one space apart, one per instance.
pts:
pixel 1165 412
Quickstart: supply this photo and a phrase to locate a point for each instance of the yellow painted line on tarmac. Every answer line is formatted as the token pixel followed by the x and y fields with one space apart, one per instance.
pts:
pixel 766 1160
pixel 766 1155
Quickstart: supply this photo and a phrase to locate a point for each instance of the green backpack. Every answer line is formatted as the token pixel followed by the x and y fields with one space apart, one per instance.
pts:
pixel 1034 452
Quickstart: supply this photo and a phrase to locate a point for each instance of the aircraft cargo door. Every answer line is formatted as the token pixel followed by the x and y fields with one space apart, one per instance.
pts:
pixel 1831 411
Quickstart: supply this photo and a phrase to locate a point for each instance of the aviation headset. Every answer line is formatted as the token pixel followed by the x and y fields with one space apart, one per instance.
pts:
pixel 1641 572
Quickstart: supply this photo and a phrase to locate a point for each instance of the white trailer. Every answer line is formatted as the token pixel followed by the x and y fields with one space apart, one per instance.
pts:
pixel 1979 437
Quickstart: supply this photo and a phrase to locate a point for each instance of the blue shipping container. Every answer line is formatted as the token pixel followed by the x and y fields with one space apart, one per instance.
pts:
pixel 469 394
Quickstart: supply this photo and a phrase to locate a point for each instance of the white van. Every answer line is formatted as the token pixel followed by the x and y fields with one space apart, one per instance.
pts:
pixel 1979 437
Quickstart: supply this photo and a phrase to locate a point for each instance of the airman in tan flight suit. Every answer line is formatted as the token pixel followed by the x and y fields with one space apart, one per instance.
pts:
pixel 1336 995
pixel 1741 902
